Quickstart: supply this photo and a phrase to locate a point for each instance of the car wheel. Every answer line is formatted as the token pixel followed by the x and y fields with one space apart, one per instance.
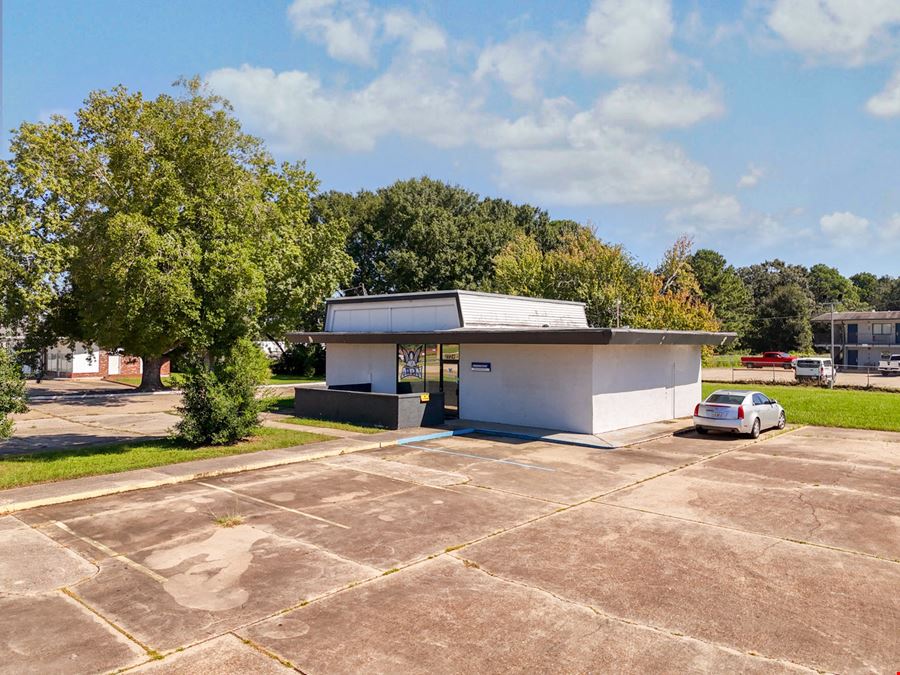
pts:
pixel 700 430
pixel 754 432
pixel 781 420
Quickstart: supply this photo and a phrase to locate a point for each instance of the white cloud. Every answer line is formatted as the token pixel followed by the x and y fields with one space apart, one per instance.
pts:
pixel 420 34
pixel 604 165
pixel 889 232
pixel 345 27
pixel 715 214
pixel 844 227
pixel 848 32
pixel 887 102
pixel 295 112
pixel 659 106
pixel 516 63
pixel 752 177
pixel 555 153
pixel 547 126
pixel 625 38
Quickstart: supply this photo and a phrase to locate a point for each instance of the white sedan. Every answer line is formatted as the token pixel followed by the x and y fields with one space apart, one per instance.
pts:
pixel 738 411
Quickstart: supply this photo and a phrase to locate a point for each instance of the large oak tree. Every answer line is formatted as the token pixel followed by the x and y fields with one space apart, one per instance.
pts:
pixel 157 225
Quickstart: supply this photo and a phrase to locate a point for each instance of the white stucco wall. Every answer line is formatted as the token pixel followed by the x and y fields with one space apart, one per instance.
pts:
pixel 635 384
pixel 530 385
pixel 357 364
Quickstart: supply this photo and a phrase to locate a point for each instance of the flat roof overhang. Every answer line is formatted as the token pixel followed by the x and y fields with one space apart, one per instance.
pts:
pixel 532 336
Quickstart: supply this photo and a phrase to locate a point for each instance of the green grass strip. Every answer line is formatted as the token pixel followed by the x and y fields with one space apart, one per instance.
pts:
pixel 44 467
pixel 846 408
pixel 330 424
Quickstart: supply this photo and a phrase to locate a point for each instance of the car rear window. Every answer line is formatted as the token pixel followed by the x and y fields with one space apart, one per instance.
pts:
pixel 808 363
pixel 730 399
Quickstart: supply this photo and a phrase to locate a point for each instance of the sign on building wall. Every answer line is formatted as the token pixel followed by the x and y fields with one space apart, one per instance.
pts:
pixel 481 366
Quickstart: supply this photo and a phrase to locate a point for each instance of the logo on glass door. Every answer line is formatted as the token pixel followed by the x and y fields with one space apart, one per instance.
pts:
pixel 410 358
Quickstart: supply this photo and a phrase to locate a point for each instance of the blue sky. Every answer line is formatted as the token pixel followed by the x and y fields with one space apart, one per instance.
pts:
pixel 762 128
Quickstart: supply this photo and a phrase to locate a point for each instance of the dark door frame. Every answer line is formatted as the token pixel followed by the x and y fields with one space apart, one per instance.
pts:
pixel 442 362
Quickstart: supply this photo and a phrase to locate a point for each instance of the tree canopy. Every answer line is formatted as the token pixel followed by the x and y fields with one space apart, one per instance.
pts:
pixel 159 225
pixel 614 287
pixel 423 234
pixel 724 290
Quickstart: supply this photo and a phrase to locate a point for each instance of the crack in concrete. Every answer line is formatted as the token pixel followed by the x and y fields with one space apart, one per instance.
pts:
pixel 751 532
pixel 812 510
pixel 629 622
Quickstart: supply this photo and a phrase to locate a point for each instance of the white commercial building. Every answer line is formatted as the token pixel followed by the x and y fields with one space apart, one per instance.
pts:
pixel 503 359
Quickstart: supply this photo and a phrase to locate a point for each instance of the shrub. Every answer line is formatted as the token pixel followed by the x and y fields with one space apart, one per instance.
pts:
pixel 12 392
pixel 219 403
pixel 302 360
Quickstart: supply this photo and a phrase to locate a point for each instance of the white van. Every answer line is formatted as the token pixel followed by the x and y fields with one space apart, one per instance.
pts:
pixel 819 369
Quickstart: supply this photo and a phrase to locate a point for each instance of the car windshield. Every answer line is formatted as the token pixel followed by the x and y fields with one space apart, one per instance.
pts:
pixel 730 399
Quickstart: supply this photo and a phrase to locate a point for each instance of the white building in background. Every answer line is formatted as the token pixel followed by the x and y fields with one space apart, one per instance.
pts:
pixel 504 359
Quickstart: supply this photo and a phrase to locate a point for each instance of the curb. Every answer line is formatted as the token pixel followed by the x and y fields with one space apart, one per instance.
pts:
pixel 13 507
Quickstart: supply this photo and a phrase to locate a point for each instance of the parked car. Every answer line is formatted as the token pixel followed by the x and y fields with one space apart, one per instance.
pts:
pixel 821 370
pixel 769 359
pixel 738 411
pixel 889 364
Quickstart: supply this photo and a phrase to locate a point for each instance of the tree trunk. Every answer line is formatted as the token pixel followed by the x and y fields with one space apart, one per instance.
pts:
pixel 150 378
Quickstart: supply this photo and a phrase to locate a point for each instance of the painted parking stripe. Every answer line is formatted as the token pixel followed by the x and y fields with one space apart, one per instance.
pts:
pixel 487 459
pixel 112 554
pixel 273 505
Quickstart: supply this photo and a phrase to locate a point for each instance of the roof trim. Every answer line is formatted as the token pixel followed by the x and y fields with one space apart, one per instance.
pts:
pixel 455 293
pixel 889 314
pixel 540 336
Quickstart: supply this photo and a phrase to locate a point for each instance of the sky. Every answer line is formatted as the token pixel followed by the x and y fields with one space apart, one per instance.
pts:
pixel 761 128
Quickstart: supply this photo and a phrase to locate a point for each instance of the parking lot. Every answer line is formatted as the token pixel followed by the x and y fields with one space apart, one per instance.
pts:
pixel 478 553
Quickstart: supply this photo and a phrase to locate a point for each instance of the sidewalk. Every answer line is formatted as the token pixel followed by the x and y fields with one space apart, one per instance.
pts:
pixel 44 494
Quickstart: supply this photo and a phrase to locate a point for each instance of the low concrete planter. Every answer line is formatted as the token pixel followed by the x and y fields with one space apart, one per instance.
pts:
pixel 391 411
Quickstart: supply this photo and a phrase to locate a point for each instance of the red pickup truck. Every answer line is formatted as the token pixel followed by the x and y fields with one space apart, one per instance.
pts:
pixel 769 359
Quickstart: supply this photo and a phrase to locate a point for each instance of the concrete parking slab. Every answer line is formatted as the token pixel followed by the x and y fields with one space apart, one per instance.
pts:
pixel 776 488
pixel 550 471
pixel 74 386
pixel 226 654
pixel 474 553
pixel 55 634
pixel 403 527
pixel 808 605
pixel 446 617
pixel 33 563
pixel 211 581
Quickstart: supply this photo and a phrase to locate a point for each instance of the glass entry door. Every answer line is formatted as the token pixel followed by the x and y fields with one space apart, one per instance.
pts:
pixel 450 379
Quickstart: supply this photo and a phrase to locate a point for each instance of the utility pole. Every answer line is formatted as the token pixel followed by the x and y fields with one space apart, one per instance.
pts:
pixel 833 363
pixel 618 313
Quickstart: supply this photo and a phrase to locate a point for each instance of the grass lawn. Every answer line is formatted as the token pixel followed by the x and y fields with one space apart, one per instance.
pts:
pixel 330 424
pixel 44 467
pixel 848 408
pixel 292 379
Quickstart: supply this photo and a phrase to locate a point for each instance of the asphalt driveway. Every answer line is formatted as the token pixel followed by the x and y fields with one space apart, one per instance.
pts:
pixel 478 554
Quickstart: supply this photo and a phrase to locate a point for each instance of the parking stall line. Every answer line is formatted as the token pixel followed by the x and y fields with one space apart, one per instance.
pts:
pixel 522 465
pixel 111 553
pixel 241 495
